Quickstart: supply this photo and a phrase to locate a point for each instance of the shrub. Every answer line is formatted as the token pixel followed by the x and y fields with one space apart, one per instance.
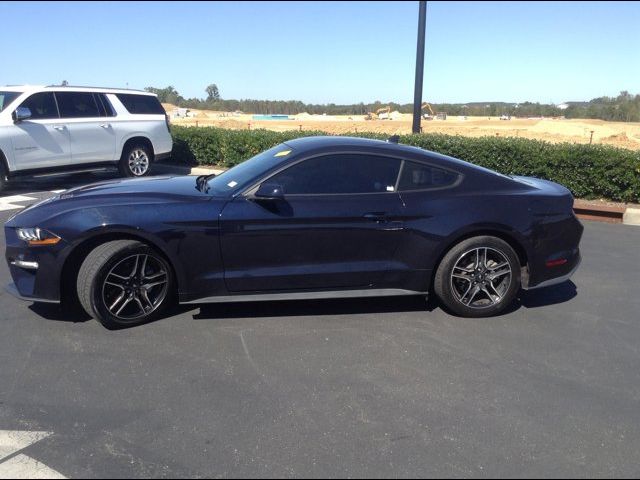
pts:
pixel 589 171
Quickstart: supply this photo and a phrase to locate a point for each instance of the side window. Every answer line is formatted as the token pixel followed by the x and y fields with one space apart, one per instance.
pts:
pixel 141 104
pixel 416 176
pixel 42 106
pixel 106 105
pixel 330 174
pixel 77 105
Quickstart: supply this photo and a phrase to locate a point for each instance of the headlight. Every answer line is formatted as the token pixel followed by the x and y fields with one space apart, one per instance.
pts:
pixel 37 236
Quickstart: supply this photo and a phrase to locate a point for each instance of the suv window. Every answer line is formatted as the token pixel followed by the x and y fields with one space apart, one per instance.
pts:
pixel 77 105
pixel 417 176
pixel 42 106
pixel 7 97
pixel 141 104
pixel 106 109
pixel 345 173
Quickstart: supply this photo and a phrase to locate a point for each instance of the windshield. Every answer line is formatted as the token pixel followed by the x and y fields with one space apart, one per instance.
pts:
pixel 6 98
pixel 240 176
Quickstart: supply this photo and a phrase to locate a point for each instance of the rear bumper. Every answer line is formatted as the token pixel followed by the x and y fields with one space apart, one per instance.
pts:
pixel 555 255
pixel 557 280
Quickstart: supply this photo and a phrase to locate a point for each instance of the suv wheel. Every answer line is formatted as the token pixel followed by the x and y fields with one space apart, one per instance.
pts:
pixel 3 175
pixel 479 277
pixel 124 283
pixel 135 161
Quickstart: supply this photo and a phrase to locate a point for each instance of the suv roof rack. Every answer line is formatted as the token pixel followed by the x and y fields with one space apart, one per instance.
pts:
pixel 103 88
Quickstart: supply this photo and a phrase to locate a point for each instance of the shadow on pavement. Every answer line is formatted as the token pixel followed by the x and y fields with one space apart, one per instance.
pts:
pixel 298 308
pixel 549 295
pixel 60 312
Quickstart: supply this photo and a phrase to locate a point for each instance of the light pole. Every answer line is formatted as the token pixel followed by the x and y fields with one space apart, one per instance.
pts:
pixel 417 94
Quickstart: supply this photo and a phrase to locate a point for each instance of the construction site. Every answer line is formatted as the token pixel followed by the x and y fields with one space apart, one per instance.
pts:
pixel 555 130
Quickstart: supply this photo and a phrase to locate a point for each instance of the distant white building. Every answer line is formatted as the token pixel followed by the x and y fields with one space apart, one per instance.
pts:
pixel 562 106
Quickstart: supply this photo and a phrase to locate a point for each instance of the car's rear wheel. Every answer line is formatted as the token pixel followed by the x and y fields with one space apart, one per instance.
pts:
pixel 124 283
pixel 478 277
pixel 136 161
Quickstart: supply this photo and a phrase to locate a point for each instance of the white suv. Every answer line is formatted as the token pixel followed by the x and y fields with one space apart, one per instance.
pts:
pixel 46 130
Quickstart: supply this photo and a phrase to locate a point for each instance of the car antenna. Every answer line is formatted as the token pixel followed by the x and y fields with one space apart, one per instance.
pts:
pixel 393 139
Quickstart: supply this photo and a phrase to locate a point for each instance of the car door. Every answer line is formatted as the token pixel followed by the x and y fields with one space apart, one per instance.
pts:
pixel 42 141
pixel 91 134
pixel 337 226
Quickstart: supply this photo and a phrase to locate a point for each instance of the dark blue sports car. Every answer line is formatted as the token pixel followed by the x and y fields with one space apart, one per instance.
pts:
pixel 316 217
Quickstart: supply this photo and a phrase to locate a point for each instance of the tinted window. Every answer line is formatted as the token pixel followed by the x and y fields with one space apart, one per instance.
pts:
pixel 340 174
pixel 416 176
pixel 141 104
pixel 6 98
pixel 77 105
pixel 105 105
pixel 42 106
pixel 243 174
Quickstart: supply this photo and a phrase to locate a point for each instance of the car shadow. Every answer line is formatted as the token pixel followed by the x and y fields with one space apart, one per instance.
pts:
pixel 299 308
pixel 70 313
pixel 546 296
pixel 543 297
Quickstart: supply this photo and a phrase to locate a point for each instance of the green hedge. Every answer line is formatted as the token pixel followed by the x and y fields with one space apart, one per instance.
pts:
pixel 589 171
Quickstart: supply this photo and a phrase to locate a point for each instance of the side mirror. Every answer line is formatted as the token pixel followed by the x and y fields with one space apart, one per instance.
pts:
pixel 20 114
pixel 270 191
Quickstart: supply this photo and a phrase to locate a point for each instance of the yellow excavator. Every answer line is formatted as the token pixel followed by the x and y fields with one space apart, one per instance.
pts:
pixel 428 116
pixel 432 115
pixel 376 115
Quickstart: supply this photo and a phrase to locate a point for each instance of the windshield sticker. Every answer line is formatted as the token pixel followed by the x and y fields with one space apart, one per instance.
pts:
pixel 390 188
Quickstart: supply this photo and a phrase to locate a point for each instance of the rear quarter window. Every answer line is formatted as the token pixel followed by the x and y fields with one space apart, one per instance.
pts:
pixel 141 104
pixel 418 176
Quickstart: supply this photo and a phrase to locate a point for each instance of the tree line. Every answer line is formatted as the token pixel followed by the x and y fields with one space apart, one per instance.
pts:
pixel 625 107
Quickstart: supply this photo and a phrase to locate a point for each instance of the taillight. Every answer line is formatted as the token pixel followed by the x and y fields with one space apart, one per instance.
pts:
pixel 555 263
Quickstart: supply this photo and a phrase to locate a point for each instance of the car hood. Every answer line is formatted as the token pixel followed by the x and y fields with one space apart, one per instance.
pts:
pixel 114 193
pixel 138 187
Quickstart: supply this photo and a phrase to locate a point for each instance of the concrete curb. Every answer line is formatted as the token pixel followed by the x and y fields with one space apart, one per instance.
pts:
pixel 631 216
pixel 587 211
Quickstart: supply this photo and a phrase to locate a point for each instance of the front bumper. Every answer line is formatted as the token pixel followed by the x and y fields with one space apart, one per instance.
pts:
pixel 13 290
pixel 35 271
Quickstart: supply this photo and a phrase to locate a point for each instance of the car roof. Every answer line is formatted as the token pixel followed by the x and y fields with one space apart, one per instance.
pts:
pixel 305 144
pixel 315 144
pixel 71 88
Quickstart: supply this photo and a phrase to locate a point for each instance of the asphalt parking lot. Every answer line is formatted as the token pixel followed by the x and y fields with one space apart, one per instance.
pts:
pixel 389 387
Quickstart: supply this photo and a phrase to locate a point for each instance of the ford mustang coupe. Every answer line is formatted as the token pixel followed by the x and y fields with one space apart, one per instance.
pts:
pixel 316 217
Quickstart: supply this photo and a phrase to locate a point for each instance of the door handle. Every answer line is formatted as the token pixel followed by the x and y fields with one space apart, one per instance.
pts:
pixel 60 128
pixel 105 125
pixel 378 217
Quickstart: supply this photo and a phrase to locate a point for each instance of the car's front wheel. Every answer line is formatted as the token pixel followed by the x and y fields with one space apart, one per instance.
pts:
pixel 478 277
pixel 124 283
pixel 135 161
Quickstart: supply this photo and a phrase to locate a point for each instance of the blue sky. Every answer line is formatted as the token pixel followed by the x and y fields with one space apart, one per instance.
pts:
pixel 322 52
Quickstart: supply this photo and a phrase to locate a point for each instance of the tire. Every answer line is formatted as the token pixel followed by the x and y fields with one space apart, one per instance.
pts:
pixel 478 277
pixel 124 283
pixel 3 174
pixel 135 161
